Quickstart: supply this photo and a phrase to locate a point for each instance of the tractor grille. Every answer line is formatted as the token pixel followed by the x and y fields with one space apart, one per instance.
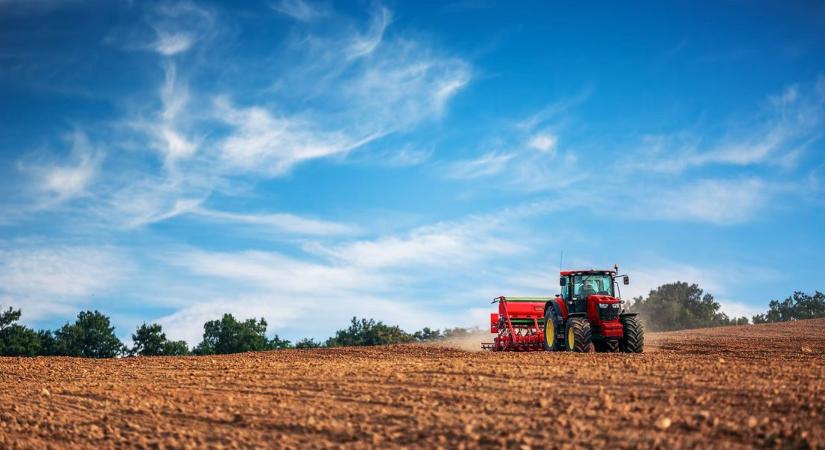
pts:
pixel 609 313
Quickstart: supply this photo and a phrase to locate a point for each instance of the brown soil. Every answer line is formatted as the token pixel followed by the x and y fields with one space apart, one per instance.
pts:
pixel 727 387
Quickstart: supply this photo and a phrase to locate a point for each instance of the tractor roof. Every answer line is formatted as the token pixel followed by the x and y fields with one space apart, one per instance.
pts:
pixel 564 273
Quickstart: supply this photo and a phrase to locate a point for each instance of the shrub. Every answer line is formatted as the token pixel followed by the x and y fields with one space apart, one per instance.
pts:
pixel 307 343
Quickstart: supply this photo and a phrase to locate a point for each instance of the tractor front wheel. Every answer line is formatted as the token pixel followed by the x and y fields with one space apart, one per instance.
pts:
pixel 578 336
pixel 607 346
pixel 633 340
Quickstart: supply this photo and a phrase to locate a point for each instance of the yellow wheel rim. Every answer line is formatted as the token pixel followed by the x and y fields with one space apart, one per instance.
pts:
pixel 571 338
pixel 550 334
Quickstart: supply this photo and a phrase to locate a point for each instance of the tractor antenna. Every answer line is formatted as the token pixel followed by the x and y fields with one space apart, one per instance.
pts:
pixel 561 260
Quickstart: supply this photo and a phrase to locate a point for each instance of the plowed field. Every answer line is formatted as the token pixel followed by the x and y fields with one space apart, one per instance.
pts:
pixel 733 387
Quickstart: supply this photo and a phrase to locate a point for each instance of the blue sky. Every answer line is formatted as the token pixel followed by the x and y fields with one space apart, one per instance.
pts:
pixel 407 161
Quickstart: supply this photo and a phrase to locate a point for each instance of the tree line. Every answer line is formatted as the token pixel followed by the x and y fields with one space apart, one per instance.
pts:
pixel 673 306
pixel 679 306
pixel 93 336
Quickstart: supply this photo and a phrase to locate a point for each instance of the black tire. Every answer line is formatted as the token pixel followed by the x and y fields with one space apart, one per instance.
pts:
pixel 634 335
pixel 578 336
pixel 607 346
pixel 550 331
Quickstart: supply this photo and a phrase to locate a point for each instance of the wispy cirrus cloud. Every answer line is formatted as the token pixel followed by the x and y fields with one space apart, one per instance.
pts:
pixel 55 280
pixel 178 26
pixel 57 180
pixel 720 202
pixel 361 45
pixel 280 222
pixel 787 124
pixel 262 142
pixel 485 165
pixel 301 10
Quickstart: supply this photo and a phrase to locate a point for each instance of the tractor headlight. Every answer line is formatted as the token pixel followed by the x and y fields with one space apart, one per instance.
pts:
pixel 616 305
pixel 603 305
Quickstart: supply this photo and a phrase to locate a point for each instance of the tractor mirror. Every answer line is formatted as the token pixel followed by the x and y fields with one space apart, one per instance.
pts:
pixel 563 281
pixel 626 280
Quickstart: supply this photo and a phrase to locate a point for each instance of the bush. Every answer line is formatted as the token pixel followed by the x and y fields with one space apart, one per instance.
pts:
pixel 678 306
pixel 307 343
pixel 17 340
pixel 150 340
pixel 230 336
pixel 91 336
pixel 369 332
pixel 798 306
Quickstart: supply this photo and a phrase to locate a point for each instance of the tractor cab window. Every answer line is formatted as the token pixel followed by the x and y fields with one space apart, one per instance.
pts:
pixel 587 285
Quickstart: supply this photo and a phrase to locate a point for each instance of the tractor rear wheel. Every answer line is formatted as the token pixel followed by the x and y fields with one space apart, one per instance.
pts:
pixel 633 340
pixel 550 331
pixel 578 336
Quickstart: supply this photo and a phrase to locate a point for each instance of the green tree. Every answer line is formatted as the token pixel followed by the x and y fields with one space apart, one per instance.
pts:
pixel 277 343
pixel 176 348
pixel 17 340
pixel 150 340
pixel 678 306
pixel 48 343
pixel 369 332
pixel 91 336
pixel 307 343
pixel 426 334
pixel 227 335
pixel 798 306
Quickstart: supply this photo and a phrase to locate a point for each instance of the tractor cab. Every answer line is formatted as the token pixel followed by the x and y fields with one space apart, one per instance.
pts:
pixel 578 286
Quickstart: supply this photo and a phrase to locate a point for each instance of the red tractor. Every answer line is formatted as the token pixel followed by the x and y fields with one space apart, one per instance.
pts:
pixel 586 316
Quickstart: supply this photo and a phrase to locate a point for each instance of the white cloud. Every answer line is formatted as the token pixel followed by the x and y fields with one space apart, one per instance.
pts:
pixel 169 44
pixel 282 222
pixel 58 182
pixel 554 110
pixel 170 140
pixel 721 202
pixel 396 86
pixel 543 142
pixel 440 245
pixel 738 309
pixel 485 165
pixel 774 136
pixel 403 86
pixel 363 45
pixel 52 280
pixel 300 10
pixel 405 157
pixel 178 26
pixel 263 142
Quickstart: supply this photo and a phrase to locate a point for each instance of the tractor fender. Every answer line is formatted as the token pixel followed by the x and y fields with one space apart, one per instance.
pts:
pixel 628 314
pixel 557 312
pixel 577 314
